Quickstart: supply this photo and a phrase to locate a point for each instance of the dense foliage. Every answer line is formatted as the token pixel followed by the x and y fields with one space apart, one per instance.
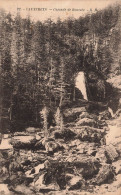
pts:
pixel 39 61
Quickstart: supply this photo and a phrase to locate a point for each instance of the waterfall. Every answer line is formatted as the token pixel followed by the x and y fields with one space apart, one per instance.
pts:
pixel 81 84
pixel 111 112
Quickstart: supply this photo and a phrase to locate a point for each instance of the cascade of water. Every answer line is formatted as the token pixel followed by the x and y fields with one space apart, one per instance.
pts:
pixel 81 84
pixel 111 112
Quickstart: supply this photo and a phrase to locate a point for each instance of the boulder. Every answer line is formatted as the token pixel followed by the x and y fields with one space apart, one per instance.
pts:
pixel 118 112
pixel 71 114
pixel 15 166
pixel 87 122
pixel 34 171
pixel 45 189
pixel 39 145
pixel 107 154
pixel 71 111
pixel 21 134
pixel 75 142
pixel 90 149
pixel 111 153
pixel 105 115
pixel 105 175
pixel 22 189
pixel 47 164
pixel 81 147
pixel 40 184
pixel 117 166
pixel 81 164
pixel 74 182
pixel 90 129
pixel 66 134
pixel 18 178
pixel 44 183
pixel 33 130
pixel 91 134
pixel 47 139
pixel 24 142
pixel 100 155
pixel 62 173
pixel 39 181
pixel 51 187
pixel 51 145
pixel 87 115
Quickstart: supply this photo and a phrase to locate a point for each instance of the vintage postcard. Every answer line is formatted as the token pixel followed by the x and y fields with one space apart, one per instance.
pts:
pixel 60 97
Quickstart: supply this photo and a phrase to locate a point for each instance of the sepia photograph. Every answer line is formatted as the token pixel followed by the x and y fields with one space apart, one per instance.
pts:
pixel 60 97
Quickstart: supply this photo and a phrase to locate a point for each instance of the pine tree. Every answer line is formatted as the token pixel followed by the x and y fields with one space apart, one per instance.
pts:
pixel 59 119
pixel 44 114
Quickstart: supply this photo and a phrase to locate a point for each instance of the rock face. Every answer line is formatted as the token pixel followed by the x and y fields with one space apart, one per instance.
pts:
pixel 96 85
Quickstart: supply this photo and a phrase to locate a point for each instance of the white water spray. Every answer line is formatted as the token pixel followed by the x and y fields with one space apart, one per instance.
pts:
pixel 81 84
pixel 111 112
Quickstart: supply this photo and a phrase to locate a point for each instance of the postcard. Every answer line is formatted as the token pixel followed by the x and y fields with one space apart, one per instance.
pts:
pixel 60 97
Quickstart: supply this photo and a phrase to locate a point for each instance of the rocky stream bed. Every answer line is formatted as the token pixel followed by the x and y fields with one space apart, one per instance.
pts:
pixel 84 158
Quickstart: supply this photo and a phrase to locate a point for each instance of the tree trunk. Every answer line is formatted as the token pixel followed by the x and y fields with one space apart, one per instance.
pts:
pixel 74 93
pixel 61 97
pixel 10 113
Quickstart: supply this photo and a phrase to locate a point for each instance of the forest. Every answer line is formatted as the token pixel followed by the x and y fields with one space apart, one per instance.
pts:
pixel 39 62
